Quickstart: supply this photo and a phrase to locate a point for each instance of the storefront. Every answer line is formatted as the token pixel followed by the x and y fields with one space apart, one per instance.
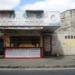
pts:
pixel 24 46
pixel 25 43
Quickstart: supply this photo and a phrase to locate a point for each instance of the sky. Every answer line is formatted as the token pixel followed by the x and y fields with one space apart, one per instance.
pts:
pixel 51 5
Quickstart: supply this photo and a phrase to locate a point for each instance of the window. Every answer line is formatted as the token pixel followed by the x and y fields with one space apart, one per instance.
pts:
pixel 65 37
pixel 74 37
pixel 70 37
pixel 12 15
pixel 7 14
pixel 34 14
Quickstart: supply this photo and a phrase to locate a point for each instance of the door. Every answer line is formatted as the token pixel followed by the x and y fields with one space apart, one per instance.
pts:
pixel 1 47
pixel 47 46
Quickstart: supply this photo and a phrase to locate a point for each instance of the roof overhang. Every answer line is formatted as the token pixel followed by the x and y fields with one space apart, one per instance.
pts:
pixel 43 28
pixel 21 27
pixel 41 11
pixel 7 11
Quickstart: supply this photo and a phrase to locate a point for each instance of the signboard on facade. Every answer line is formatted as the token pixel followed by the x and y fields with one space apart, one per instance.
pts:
pixel 22 53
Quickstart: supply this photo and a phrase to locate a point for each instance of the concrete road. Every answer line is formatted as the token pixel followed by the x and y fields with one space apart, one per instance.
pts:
pixel 38 72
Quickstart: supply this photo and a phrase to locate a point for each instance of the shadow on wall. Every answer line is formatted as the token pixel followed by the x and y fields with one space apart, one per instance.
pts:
pixel 57 49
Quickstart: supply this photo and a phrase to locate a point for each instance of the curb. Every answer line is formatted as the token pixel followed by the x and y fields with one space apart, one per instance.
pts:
pixel 56 66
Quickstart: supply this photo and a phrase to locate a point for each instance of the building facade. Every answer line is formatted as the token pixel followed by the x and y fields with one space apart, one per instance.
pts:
pixel 36 33
pixel 64 36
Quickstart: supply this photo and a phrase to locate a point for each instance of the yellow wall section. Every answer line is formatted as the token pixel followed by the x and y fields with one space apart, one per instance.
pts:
pixel 69 42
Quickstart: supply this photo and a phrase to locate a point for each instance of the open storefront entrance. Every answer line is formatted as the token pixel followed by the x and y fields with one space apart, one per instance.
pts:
pixel 27 44
pixel 25 41
pixel 24 47
pixel 23 44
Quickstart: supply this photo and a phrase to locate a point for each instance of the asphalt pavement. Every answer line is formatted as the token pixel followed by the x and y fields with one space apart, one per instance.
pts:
pixel 38 72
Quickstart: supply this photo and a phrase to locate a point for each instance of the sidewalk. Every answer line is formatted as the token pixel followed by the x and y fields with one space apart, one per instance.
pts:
pixel 52 62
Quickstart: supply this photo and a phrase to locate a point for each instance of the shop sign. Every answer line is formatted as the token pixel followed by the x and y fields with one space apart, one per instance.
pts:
pixel 29 52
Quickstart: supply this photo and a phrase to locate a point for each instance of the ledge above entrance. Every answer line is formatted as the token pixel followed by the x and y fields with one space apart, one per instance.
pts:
pixel 44 28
